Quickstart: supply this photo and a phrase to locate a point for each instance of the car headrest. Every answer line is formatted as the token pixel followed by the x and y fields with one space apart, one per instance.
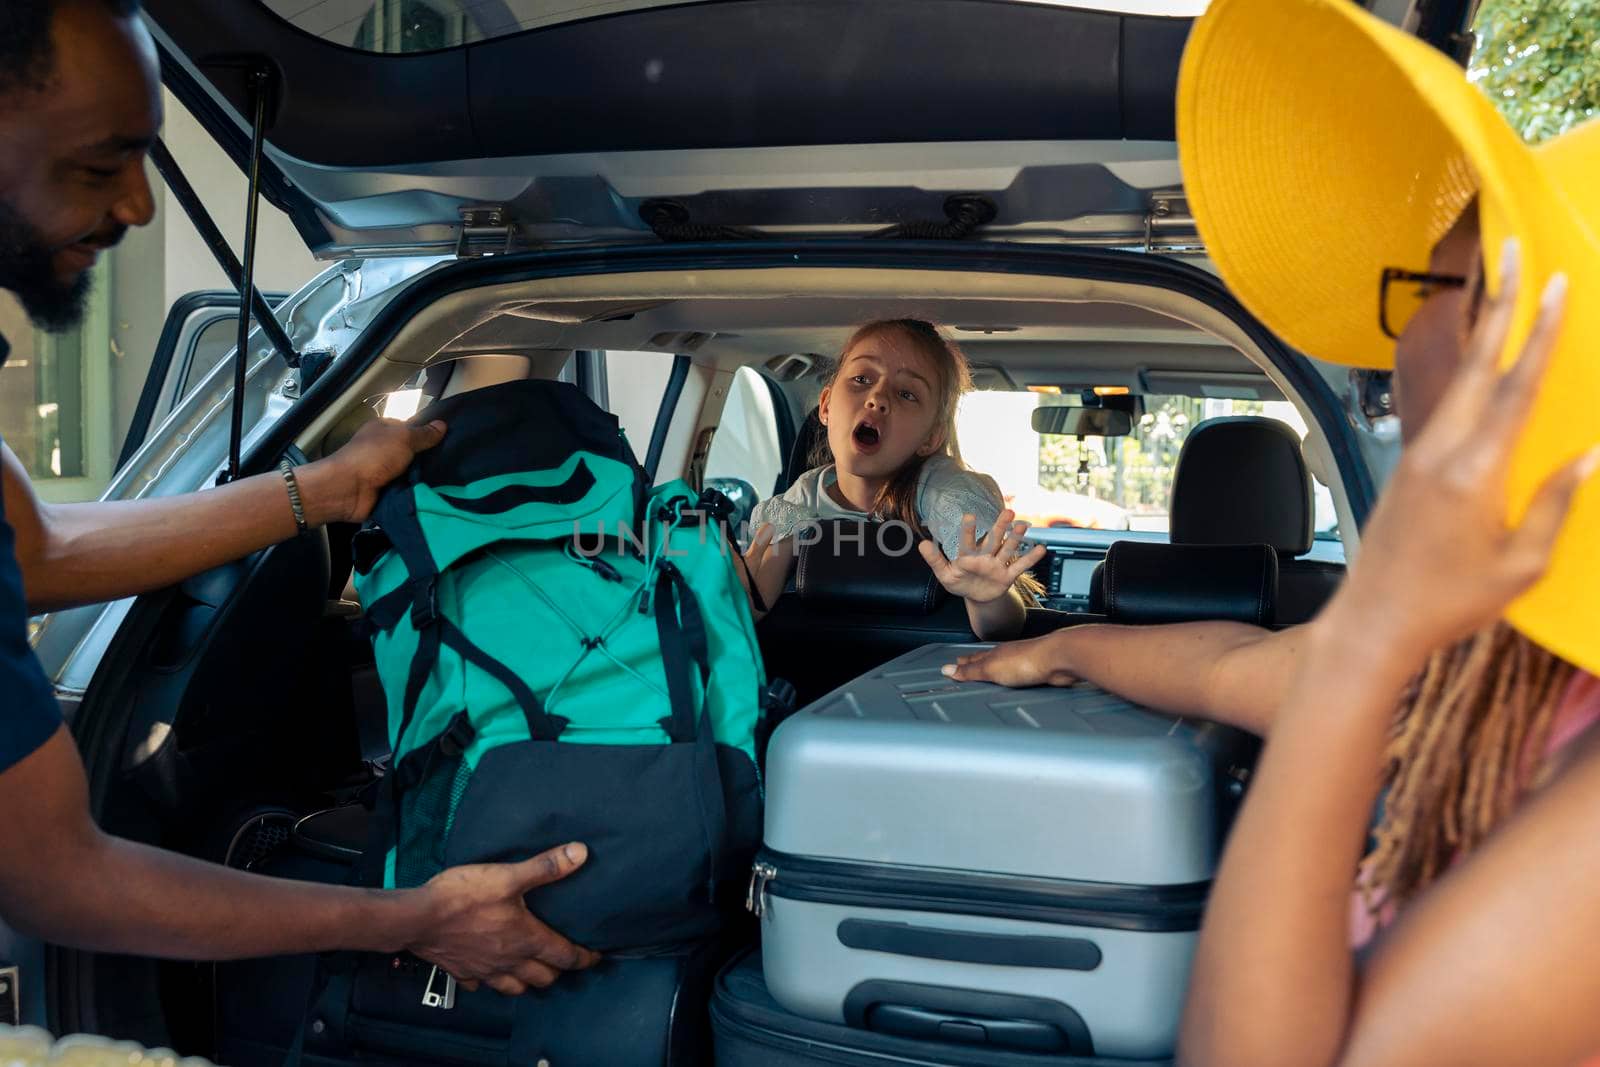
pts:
pixel 1242 480
pixel 857 566
pixel 1147 582
pixel 805 439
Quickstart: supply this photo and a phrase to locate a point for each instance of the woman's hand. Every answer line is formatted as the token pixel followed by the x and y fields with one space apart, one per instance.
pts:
pixel 1441 557
pixel 1018 664
pixel 987 573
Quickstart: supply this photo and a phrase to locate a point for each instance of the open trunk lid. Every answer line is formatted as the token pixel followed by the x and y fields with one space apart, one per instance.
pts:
pixel 522 124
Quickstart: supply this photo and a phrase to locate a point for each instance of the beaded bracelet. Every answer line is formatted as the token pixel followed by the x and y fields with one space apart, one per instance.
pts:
pixel 293 485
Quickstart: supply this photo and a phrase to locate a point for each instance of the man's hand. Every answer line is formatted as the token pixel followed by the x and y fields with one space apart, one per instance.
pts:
pixel 1018 664
pixel 985 573
pixel 344 487
pixel 479 929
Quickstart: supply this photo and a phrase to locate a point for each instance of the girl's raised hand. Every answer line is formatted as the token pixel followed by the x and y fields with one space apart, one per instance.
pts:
pixel 984 573
pixel 1440 557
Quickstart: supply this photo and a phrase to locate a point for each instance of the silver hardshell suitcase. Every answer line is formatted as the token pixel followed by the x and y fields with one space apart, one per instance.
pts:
pixel 1021 868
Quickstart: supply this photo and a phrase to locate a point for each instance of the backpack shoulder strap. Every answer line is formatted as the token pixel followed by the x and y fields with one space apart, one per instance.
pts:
pixel 685 652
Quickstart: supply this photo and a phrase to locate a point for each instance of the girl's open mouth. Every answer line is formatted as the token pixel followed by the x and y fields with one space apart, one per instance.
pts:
pixel 866 437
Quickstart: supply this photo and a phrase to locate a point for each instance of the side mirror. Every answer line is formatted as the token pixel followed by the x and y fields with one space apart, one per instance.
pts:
pixel 1082 422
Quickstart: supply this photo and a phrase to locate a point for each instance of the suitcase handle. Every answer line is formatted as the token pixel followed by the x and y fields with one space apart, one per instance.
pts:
pixel 923 1025
pixel 967 946
pixel 967 1017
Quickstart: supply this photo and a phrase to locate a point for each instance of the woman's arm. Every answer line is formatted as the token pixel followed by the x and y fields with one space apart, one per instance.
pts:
pixel 1227 672
pixel 1274 980
pixel 1274 975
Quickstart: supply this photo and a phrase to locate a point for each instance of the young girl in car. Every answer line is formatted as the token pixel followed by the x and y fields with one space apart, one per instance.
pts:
pixel 890 453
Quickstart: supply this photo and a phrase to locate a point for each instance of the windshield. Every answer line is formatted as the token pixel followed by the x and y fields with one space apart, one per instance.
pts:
pixel 1102 483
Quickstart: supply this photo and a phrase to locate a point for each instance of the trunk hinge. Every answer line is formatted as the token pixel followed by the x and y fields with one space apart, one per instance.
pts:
pixel 486 230
pixel 1169 225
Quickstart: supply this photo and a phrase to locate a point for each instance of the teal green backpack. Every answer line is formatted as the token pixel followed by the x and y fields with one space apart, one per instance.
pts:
pixel 567 655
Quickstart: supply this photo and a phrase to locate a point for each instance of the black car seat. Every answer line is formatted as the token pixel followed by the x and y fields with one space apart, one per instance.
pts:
pixel 845 612
pixel 811 431
pixel 1242 480
pixel 856 599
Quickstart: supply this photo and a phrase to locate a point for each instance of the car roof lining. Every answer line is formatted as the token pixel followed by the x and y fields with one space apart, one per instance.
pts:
pixel 1055 316
pixel 1031 341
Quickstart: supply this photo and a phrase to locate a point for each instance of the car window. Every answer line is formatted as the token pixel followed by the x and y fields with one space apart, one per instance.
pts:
pixel 1103 483
pixel 212 345
pixel 747 448
pixel 636 383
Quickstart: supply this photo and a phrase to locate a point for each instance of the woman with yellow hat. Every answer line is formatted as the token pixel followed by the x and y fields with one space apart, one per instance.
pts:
pixel 1372 208
pixel 1334 163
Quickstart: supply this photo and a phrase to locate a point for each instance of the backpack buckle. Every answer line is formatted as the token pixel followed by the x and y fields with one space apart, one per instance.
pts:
pixel 779 696
pixel 457 736
pixel 425 607
pixel 432 997
pixel 715 503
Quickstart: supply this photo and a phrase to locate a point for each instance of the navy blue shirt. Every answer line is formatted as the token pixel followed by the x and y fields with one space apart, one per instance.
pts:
pixel 29 714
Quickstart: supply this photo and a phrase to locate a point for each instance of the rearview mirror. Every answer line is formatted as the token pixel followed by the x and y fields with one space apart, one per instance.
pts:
pixel 1082 422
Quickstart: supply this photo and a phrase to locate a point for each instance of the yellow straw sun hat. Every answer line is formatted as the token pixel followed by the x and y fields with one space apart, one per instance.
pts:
pixel 1320 145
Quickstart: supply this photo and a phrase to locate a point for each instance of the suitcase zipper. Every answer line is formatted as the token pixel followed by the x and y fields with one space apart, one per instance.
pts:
pixel 1123 907
pixel 755 899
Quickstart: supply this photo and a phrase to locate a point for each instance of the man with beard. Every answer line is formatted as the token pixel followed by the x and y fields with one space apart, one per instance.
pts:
pixel 79 104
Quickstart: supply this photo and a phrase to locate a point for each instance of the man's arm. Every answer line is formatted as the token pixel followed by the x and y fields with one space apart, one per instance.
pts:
pixel 1224 671
pixel 63 880
pixel 74 554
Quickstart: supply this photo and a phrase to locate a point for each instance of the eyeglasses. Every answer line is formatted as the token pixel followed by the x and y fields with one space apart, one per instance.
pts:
pixel 1396 304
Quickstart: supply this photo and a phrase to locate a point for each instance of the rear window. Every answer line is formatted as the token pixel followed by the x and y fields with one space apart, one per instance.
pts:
pixel 1102 483
pixel 407 26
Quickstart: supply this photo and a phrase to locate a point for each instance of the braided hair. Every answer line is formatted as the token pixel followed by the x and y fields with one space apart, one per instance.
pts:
pixel 1465 747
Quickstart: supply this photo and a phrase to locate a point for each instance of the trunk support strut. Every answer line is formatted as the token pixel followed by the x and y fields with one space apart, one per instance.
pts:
pixel 259 84
pixel 259 80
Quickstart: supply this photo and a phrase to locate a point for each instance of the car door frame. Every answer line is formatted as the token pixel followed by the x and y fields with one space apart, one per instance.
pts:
pixel 169 374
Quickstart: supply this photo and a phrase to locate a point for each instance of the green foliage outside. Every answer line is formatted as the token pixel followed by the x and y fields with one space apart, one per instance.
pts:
pixel 1539 61
pixel 1136 471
